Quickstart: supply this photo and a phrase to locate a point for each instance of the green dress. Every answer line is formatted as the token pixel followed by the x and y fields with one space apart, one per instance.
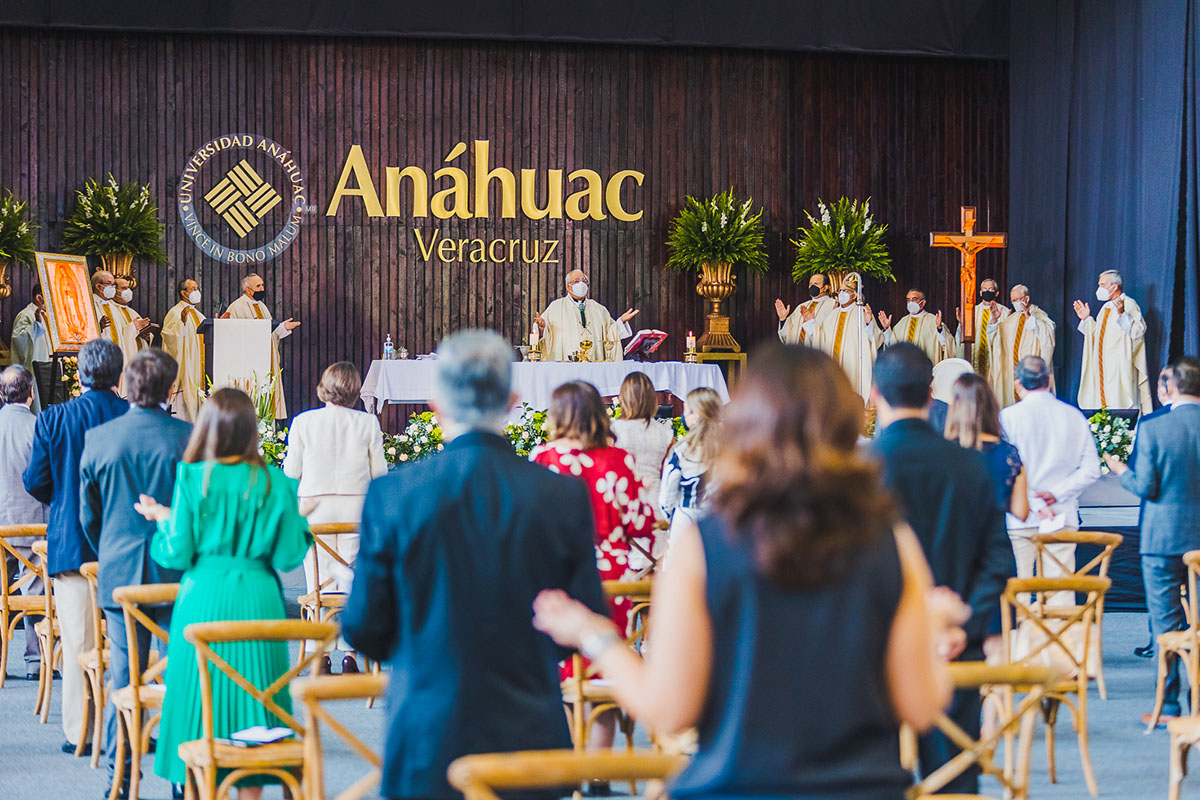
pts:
pixel 231 527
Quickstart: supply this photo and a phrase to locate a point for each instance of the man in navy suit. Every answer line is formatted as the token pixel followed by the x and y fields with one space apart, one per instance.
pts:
pixel 1164 400
pixel 453 552
pixel 1166 474
pixel 53 478
pixel 136 453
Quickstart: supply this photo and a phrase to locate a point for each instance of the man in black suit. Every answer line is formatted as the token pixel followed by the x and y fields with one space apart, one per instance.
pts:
pixel 52 477
pixel 1164 400
pixel 947 497
pixel 137 453
pixel 453 552
pixel 1166 474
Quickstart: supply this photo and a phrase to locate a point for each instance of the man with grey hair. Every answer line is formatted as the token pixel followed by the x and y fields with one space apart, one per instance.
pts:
pixel 1056 446
pixel 1114 354
pixel 250 305
pixel 453 551
pixel 569 320
pixel 1027 331
pixel 17 507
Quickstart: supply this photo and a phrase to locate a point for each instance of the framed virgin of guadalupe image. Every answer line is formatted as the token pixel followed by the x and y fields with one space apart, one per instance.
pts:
pixel 68 294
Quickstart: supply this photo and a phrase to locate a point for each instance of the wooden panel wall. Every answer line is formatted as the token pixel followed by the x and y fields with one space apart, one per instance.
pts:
pixel 919 136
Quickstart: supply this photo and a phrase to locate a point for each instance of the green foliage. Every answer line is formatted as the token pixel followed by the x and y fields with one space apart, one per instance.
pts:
pixel 1112 435
pixel 844 239
pixel 112 218
pixel 16 231
pixel 528 431
pixel 421 439
pixel 716 231
pixel 272 444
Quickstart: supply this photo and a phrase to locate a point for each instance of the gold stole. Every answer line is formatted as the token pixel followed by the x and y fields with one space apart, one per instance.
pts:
pixel 981 349
pixel 1017 339
pixel 1100 355
pixel 258 314
pixel 912 329
pixel 837 338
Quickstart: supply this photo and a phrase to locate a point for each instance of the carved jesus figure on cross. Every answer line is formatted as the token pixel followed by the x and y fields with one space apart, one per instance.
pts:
pixel 969 244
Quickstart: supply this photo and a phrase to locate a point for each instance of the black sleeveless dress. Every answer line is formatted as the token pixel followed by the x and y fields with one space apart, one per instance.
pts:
pixel 797 703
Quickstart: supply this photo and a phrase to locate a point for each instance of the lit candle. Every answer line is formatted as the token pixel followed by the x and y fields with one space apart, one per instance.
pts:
pixel 691 341
pixel 533 338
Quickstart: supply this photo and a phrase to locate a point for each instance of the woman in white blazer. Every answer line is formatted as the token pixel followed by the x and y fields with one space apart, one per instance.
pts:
pixel 335 452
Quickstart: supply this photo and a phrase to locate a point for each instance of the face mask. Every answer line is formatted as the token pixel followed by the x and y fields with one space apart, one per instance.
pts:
pixel 108 292
pixel 260 294
pixel 988 295
pixel 843 297
pixel 814 290
pixel 579 289
pixel 126 295
pixel 194 298
pixel 1020 305
pixel 914 308
pixel 1102 294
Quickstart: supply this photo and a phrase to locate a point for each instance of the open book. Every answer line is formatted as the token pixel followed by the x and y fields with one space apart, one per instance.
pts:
pixel 643 343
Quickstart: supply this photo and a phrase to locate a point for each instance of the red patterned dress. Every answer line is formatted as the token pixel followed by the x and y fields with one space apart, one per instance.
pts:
pixel 619 511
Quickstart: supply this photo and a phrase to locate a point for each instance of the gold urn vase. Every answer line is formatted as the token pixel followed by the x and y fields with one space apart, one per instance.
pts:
pixel 717 282
pixel 121 266
pixel 5 286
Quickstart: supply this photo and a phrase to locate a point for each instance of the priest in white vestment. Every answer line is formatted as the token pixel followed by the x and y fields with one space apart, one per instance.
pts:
pixel 114 321
pixel 1114 349
pixel 919 327
pixel 133 330
pixel 182 342
pixel 31 343
pixel 564 323
pixel 989 313
pixel 1027 331
pixel 791 323
pixel 849 335
pixel 250 306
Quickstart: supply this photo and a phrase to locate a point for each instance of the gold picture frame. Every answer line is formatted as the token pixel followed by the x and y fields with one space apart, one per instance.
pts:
pixel 67 289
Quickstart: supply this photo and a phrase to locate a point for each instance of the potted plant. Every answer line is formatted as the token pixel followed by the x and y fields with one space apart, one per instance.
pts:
pixel 118 223
pixel 711 236
pixel 845 238
pixel 16 238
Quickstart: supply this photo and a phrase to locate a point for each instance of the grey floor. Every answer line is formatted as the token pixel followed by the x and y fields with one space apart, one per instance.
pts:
pixel 1128 763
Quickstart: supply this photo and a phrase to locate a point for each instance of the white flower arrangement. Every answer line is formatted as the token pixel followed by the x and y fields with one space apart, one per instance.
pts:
pixel 1113 435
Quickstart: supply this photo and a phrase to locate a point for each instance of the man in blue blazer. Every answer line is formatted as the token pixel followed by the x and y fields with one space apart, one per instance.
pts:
pixel 1166 474
pixel 1164 400
pixel 453 552
pixel 136 453
pixel 53 478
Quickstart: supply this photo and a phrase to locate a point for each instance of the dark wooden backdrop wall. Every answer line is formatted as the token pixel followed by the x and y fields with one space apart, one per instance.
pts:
pixel 919 136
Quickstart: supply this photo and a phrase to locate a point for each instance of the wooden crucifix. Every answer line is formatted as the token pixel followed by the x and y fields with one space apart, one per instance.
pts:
pixel 969 243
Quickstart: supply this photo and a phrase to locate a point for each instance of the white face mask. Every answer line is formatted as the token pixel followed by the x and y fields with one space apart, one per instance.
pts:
pixel 1102 294
pixel 579 289
pixel 126 295
pixel 108 292
pixel 914 308
pixel 194 297
pixel 843 297
pixel 1020 305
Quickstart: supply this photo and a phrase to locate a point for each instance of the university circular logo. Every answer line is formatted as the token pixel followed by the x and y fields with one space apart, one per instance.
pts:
pixel 241 198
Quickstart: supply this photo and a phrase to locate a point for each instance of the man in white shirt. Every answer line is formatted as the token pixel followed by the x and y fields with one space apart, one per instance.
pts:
pixel 31 345
pixel 1056 446
pixel 919 327
pixel 1114 354
pixel 791 323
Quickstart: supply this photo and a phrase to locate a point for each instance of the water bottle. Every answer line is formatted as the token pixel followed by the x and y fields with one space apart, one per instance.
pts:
pixel 388 348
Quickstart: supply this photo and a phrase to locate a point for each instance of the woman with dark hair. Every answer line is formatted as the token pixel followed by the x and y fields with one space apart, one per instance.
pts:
pixel 792 626
pixel 335 452
pixel 232 522
pixel 973 420
pixel 638 434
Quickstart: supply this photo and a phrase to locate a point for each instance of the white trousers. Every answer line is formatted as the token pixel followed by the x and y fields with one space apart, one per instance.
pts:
pixel 334 508
pixel 73 606
pixel 1025 553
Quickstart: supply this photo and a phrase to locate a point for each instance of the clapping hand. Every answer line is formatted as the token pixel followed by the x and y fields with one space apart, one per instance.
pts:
pixel 1082 310
pixel 808 313
pixel 141 323
pixel 782 310
pixel 104 322
pixel 151 509
pixel 629 314
pixel 885 321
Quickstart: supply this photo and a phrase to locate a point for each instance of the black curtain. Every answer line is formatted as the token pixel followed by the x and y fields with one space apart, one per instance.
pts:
pixel 1103 171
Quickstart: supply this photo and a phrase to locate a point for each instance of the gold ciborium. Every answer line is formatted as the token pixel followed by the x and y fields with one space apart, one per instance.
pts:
pixel 585 344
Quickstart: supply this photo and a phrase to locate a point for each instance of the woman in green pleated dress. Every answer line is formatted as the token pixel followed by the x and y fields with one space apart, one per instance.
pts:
pixel 232 522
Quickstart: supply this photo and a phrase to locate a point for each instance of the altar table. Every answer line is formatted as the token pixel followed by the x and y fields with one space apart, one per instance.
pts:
pixel 411 381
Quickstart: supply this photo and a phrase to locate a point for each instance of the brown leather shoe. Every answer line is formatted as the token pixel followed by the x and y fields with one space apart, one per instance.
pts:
pixel 349 665
pixel 1163 719
pixel 325 666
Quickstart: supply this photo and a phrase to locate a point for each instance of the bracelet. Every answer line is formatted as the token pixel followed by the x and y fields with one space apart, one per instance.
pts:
pixel 593 645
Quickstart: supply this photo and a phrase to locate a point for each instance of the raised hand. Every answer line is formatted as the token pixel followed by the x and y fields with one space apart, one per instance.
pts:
pixel 1119 304
pixel 1082 310
pixel 885 321
pixel 141 323
pixel 868 314
pixel 541 323
pixel 938 318
pixel 290 324
pixel 808 313
pixel 782 310
pixel 629 314
pixel 958 314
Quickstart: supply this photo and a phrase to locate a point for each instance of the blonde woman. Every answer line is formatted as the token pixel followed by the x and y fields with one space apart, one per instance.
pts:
pixel 638 433
pixel 684 484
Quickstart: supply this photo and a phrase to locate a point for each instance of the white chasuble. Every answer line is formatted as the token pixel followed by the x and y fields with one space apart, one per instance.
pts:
pixel 850 336
pixel 1021 335
pixel 181 341
pixel 1114 359
pixel 987 339
pixel 248 308
pixel 921 330
pixel 566 322
pixel 791 330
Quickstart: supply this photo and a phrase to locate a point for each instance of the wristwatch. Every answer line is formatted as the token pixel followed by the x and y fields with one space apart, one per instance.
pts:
pixel 593 644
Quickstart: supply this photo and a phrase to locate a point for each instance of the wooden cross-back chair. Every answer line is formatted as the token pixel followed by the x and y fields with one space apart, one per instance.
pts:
pixel 14 604
pixel 313 693
pixel 1184 644
pixel 46 629
pixel 1042 639
pixel 204 757
pixel 484 776
pixel 144 693
pixel 995 678
pixel 320 605
pixel 1098 566
pixel 93 663
pixel 587 698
